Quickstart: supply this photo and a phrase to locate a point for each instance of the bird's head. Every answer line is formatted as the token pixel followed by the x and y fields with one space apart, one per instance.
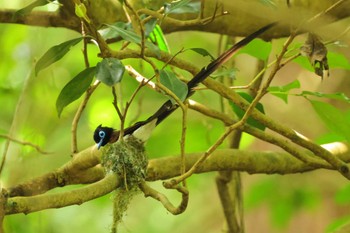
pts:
pixel 102 135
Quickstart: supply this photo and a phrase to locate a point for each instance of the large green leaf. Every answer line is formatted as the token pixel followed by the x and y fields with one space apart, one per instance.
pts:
pixel 134 38
pixel 158 38
pixel 110 71
pixel 109 33
pixel 169 80
pixel 338 60
pixel 55 53
pixel 334 119
pixel 74 89
pixel 335 60
pixel 257 48
pixel 240 113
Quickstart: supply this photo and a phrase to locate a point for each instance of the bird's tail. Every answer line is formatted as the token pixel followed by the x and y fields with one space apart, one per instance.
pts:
pixel 168 107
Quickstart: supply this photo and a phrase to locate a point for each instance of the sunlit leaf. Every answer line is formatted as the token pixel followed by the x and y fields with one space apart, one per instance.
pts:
pixel 158 38
pixel 343 195
pixel 338 225
pixel 338 60
pixel 334 119
pixel 335 60
pixel 55 53
pixel 169 80
pixel 304 63
pixel 240 113
pixel 134 38
pixel 257 48
pixel 203 52
pixel 110 71
pixel 328 137
pixel 74 89
pixel 283 91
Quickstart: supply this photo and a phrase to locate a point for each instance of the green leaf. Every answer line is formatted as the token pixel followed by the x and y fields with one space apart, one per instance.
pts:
pixel 149 25
pixel 110 71
pixel 257 48
pixel 240 113
pixel 335 60
pixel 30 7
pixel 337 96
pixel 304 63
pixel 74 89
pixel 109 33
pixel 182 7
pixel 342 196
pixel 338 60
pixel 55 53
pixel 283 91
pixel 338 225
pixel 134 38
pixel 203 52
pixel 334 119
pixel 158 38
pixel 169 80
pixel 80 11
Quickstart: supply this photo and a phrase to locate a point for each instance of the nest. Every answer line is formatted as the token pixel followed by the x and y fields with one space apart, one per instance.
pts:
pixel 126 158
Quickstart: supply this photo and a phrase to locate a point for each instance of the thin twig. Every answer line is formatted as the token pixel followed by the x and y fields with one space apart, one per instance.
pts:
pixel 150 192
pixel 183 141
pixel 24 143
pixel 120 114
pixel 78 114
pixel 139 23
pixel 326 11
pixel 74 127
pixel 14 119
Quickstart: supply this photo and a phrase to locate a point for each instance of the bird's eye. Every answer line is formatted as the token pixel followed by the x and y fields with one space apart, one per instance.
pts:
pixel 102 134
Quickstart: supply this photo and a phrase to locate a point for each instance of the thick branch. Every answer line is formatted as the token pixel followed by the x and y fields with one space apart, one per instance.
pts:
pixel 39 18
pixel 164 168
pixel 57 200
pixel 242 13
pixel 82 168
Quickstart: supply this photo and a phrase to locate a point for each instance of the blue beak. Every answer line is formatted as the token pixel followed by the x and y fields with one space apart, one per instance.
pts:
pixel 99 143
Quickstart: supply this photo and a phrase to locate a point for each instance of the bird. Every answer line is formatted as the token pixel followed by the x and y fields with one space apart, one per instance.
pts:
pixel 104 135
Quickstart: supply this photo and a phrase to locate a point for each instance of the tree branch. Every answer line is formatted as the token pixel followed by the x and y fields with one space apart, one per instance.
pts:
pixel 238 11
pixel 160 169
pixel 40 18
pixel 57 200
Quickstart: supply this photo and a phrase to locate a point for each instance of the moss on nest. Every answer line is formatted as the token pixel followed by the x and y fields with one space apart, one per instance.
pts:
pixel 127 159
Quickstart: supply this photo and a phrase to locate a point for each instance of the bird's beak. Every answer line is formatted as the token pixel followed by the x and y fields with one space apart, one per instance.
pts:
pixel 99 144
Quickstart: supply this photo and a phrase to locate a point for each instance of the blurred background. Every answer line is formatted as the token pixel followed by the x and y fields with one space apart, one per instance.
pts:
pixel 312 202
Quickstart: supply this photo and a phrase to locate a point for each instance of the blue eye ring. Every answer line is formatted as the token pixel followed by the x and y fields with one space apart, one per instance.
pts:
pixel 102 134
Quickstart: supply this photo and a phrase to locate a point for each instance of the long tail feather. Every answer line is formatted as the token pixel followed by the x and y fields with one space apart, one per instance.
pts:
pixel 168 107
